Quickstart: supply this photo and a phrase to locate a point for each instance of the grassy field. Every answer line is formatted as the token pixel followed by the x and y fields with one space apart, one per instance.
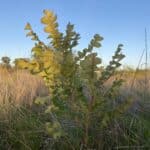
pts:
pixel 18 87
pixel 22 122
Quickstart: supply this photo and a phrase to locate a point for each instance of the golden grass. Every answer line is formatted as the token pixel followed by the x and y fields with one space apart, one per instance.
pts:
pixel 135 85
pixel 138 81
pixel 19 87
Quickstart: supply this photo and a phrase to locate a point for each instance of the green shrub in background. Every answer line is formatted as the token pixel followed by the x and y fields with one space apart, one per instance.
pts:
pixel 5 62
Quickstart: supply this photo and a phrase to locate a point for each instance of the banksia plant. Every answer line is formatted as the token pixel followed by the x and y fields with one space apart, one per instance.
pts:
pixel 78 110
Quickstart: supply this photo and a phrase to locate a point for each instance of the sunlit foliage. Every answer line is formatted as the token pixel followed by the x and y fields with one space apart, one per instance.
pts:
pixel 79 109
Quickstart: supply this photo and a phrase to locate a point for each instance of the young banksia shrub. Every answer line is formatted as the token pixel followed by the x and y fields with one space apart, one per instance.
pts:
pixel 79 110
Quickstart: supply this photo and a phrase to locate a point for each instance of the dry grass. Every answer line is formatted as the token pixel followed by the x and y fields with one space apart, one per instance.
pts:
pixel 136 87
pixel 19 87
pixel 134 81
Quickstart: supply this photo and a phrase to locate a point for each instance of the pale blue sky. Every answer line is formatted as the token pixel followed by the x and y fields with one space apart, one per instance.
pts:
pixel 118 21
